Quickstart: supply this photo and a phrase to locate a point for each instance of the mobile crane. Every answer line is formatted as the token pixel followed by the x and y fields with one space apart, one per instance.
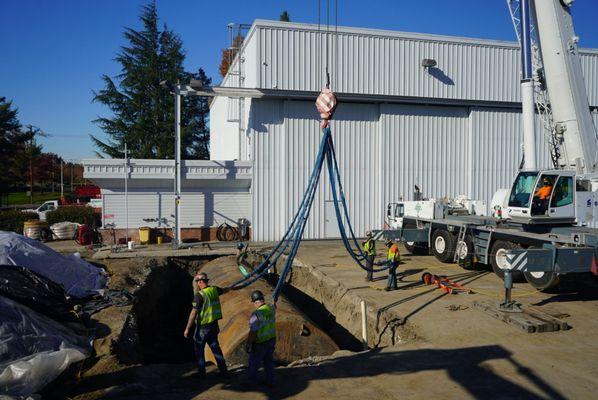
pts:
pixel 541 232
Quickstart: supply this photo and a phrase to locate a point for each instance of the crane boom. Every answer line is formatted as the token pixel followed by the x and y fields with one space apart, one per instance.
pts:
pixel 565 84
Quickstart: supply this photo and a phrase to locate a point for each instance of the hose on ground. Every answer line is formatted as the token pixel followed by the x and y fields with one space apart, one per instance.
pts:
pixel 227 233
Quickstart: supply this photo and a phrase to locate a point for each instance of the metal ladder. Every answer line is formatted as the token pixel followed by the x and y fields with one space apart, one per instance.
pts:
pixel 460 238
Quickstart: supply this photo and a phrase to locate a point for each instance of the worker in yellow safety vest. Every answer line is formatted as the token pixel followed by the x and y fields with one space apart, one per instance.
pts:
pixel 369 248
pixel 261 340
pixel 393 258
pixel 205 313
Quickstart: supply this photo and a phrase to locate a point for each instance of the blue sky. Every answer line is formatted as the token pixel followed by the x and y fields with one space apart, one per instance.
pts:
pixel 54 51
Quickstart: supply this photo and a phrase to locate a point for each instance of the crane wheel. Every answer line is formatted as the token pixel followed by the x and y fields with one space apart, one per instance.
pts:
pixel 465 253
pixel 498 259
pixel 443 245
pixel 543 281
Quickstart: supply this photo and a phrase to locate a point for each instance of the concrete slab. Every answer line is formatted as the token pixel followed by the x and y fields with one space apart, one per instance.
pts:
pixel 554 364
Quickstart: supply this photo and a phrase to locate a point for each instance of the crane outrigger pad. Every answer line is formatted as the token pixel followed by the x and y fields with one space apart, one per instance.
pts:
pixel 529 320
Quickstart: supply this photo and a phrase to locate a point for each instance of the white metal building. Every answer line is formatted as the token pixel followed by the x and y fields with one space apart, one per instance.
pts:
pixel 453 129
pixel 212 193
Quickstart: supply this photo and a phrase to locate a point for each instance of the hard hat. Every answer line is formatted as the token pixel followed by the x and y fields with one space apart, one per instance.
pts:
pixel 388 242
pixel 257 295
pixel 368 233
pixel 240 246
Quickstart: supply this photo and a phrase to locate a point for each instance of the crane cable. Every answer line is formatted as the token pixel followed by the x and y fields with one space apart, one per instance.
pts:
pixel 326 104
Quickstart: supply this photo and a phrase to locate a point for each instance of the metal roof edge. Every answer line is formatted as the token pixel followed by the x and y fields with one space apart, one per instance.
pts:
pixel 259 23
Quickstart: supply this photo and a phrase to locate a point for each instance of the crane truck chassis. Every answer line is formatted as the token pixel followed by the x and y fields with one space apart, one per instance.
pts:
pixel 542 235
pixel 540 254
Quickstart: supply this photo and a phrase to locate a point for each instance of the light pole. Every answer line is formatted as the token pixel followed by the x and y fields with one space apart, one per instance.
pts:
pixel 61 179
pixel 177 167
pixel 33 132
pixel 126 195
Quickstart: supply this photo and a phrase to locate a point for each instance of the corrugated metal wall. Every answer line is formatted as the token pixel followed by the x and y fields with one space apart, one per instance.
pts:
pixel 208 208
pixel 496 152
pixel 268 185
pixel 285 148
pixel 384 62
pixel 424 146
pixel 383 151
pixel 355 132
pixel 589 65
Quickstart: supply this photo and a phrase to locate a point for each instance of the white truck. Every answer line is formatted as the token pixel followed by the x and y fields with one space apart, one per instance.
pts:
pixel 52 205
pixel 42 210
pixel 538 228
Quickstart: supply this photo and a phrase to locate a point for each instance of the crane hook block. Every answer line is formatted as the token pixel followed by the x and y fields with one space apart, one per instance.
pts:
pixel 326 104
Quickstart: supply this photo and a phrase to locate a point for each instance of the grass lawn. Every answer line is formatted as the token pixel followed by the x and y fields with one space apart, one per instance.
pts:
pixel 38 198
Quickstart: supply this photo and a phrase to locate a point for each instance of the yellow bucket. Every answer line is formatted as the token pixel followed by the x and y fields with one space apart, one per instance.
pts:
pixel 144 235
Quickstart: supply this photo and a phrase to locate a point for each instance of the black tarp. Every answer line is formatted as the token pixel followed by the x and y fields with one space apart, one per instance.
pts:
pixel 36 292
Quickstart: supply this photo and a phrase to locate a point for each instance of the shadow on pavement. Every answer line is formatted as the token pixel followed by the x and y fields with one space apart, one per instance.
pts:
pixel 463 366
pixel 574 287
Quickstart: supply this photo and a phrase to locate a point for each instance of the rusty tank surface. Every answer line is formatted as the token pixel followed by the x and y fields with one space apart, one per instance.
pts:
pixel 296 336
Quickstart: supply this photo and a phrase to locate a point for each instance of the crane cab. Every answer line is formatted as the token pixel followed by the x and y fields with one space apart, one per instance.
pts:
pixel 544 196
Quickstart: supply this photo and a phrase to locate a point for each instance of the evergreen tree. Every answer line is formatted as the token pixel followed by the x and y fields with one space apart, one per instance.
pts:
pixel 195 135
pixel 11 139
pixel 143 110
pixel 285 17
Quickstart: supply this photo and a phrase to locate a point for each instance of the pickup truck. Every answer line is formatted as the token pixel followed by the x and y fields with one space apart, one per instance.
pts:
pixel 52 205
pixel 49 205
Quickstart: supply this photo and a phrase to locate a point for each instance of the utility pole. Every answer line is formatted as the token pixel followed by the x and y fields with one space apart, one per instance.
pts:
pixel 126 195
pixel 31 164
pixel 61 178
pixel 72 171
pixel 33 132
pixel 177 167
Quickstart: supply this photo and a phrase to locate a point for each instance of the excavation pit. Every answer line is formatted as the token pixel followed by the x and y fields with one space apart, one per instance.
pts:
pixel 153 330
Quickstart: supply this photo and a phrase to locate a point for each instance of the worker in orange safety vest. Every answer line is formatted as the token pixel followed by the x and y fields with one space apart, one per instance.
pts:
pixel 545 191
pixel 394 258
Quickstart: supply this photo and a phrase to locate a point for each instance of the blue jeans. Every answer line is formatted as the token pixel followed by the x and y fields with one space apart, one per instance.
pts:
pixel 392 275
pixel 369 263
pixel 262 352
pixel 208 334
